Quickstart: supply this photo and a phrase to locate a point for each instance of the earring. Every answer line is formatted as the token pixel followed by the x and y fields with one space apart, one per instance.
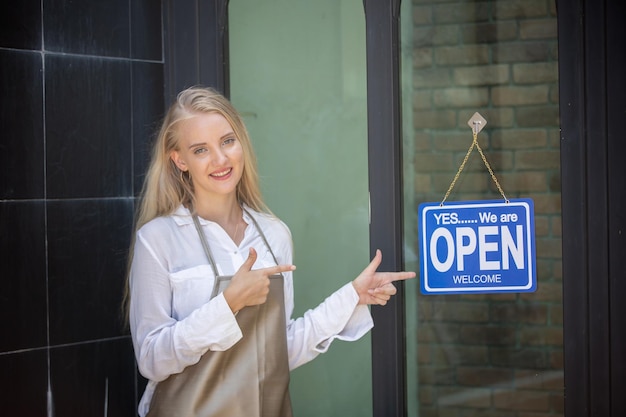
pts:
pixel 182 175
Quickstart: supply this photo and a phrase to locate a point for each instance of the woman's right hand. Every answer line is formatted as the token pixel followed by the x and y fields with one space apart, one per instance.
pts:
pixel 250 287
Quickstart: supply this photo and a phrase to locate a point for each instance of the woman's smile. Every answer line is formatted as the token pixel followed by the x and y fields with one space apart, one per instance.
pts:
pixel 222 174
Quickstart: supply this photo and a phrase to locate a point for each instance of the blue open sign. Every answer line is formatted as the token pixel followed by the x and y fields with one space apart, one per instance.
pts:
pixel 477 247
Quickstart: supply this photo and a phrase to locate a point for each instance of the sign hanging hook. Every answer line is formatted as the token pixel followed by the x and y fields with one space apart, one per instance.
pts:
pixel 477 122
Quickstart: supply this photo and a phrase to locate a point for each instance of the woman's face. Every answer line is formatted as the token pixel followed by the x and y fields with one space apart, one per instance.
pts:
pixel 209 150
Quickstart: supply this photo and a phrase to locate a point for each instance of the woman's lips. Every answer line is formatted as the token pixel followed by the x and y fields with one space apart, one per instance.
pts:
pixel 222 174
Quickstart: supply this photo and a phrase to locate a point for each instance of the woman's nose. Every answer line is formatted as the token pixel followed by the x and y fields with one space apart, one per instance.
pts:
pixel 219 157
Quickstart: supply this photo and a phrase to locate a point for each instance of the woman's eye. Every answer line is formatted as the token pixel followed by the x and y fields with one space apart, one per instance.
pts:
pixel 228 141
pixel 199 151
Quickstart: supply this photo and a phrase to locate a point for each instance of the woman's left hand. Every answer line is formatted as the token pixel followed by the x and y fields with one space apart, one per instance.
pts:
pixel 377 287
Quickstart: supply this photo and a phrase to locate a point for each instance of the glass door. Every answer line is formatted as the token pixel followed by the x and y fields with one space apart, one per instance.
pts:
pixel 298 77
pixel 484 354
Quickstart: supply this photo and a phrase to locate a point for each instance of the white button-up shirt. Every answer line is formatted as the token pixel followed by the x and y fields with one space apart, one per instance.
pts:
pixel 174 322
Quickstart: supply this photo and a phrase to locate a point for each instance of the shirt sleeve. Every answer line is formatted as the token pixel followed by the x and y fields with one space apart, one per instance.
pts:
pixel 337 317
pixel 163 345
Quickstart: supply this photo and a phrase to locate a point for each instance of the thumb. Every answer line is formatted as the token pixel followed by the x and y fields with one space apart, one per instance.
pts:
pixel 375 263
pixel 247 265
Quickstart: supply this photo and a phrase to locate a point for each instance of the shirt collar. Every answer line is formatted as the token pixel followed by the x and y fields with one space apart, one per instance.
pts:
pixel 182 216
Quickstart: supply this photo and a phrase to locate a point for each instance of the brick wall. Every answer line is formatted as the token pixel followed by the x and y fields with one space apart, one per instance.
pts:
pixel 490 355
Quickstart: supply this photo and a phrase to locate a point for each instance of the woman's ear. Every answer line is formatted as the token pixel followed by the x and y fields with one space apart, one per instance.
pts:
pixel 178 161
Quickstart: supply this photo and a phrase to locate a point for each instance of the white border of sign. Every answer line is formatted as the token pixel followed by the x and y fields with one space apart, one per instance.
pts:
pixel 528 287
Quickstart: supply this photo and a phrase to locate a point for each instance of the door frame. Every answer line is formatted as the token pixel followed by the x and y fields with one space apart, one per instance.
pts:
pixel 592 93
pixel 591 58
pixel 384 119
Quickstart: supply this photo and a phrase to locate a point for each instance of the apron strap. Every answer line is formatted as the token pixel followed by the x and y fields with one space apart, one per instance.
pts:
pixel 205 244
pixel 262 235
pixel 207 249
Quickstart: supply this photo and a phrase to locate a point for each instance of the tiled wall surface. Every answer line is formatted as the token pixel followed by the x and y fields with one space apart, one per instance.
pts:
pixel 82 92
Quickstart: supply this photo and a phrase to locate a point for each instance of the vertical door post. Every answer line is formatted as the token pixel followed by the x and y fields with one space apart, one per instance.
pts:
pixel 385 183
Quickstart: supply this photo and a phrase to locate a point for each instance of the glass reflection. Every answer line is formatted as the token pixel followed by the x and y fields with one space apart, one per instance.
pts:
pixel 494 354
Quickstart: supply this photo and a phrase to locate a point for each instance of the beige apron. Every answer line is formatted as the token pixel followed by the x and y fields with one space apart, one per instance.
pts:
pixel 251 379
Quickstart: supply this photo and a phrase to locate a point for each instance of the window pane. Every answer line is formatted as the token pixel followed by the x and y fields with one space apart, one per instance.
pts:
pixel 298 77
pixel 476 354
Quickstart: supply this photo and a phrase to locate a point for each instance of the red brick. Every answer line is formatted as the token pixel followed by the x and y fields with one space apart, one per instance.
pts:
pixel 466 182
pixel 463 397
pixel 531 358
pixel 539 379
pixel 488 32
pixel 453 141
pixel 490 335
pixel 538 29
pixel 434 119
pixel 426 395
pixel 547 204
pixel 519 9
pixel 435 35
pixel 431 162
pixel 422 100
pixel 481 75
pixel 542 226
pixel 454 355
pixel 519 138
pixel 424 354
pixel 523 313
pixel 523 182
pixel 462 55
pixel 557 270
pixel 521 400
pixel 438 333
pixel 557 402
pixel 422 57
pixel 436 375
pixel 423 141
pixel 542 160
pixel 531 51
pixel 498 161
pixel 461 97
pixel 485 377
pixel 541 336
pixel 536 72
pixel 535 116
pixel 421 183
pixel 460 12
pixel 544 269
pixel 556 359
pixel 556 314
pixel 431 77
pixel 460 311
pixel 549 248
pixel 422 15
pixel 546 291
pixel 515 96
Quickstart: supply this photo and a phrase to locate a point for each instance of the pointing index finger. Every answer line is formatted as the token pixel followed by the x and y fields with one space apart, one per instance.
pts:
pixel 278 269
pixel 404 275
pixel 399 276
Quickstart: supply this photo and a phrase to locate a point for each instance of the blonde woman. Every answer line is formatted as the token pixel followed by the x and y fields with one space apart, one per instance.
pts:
pixel 210 283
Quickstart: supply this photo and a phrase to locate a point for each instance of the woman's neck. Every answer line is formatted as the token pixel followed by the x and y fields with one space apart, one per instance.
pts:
pixel 224 213
pixel 228 214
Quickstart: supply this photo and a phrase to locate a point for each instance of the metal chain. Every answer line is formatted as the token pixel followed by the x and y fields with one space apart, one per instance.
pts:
pixel 458 173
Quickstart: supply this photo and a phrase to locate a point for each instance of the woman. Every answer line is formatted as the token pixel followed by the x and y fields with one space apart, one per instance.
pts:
pixel 210 282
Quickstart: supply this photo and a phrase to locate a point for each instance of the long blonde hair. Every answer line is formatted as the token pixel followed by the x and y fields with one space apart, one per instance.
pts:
pixel 166 187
